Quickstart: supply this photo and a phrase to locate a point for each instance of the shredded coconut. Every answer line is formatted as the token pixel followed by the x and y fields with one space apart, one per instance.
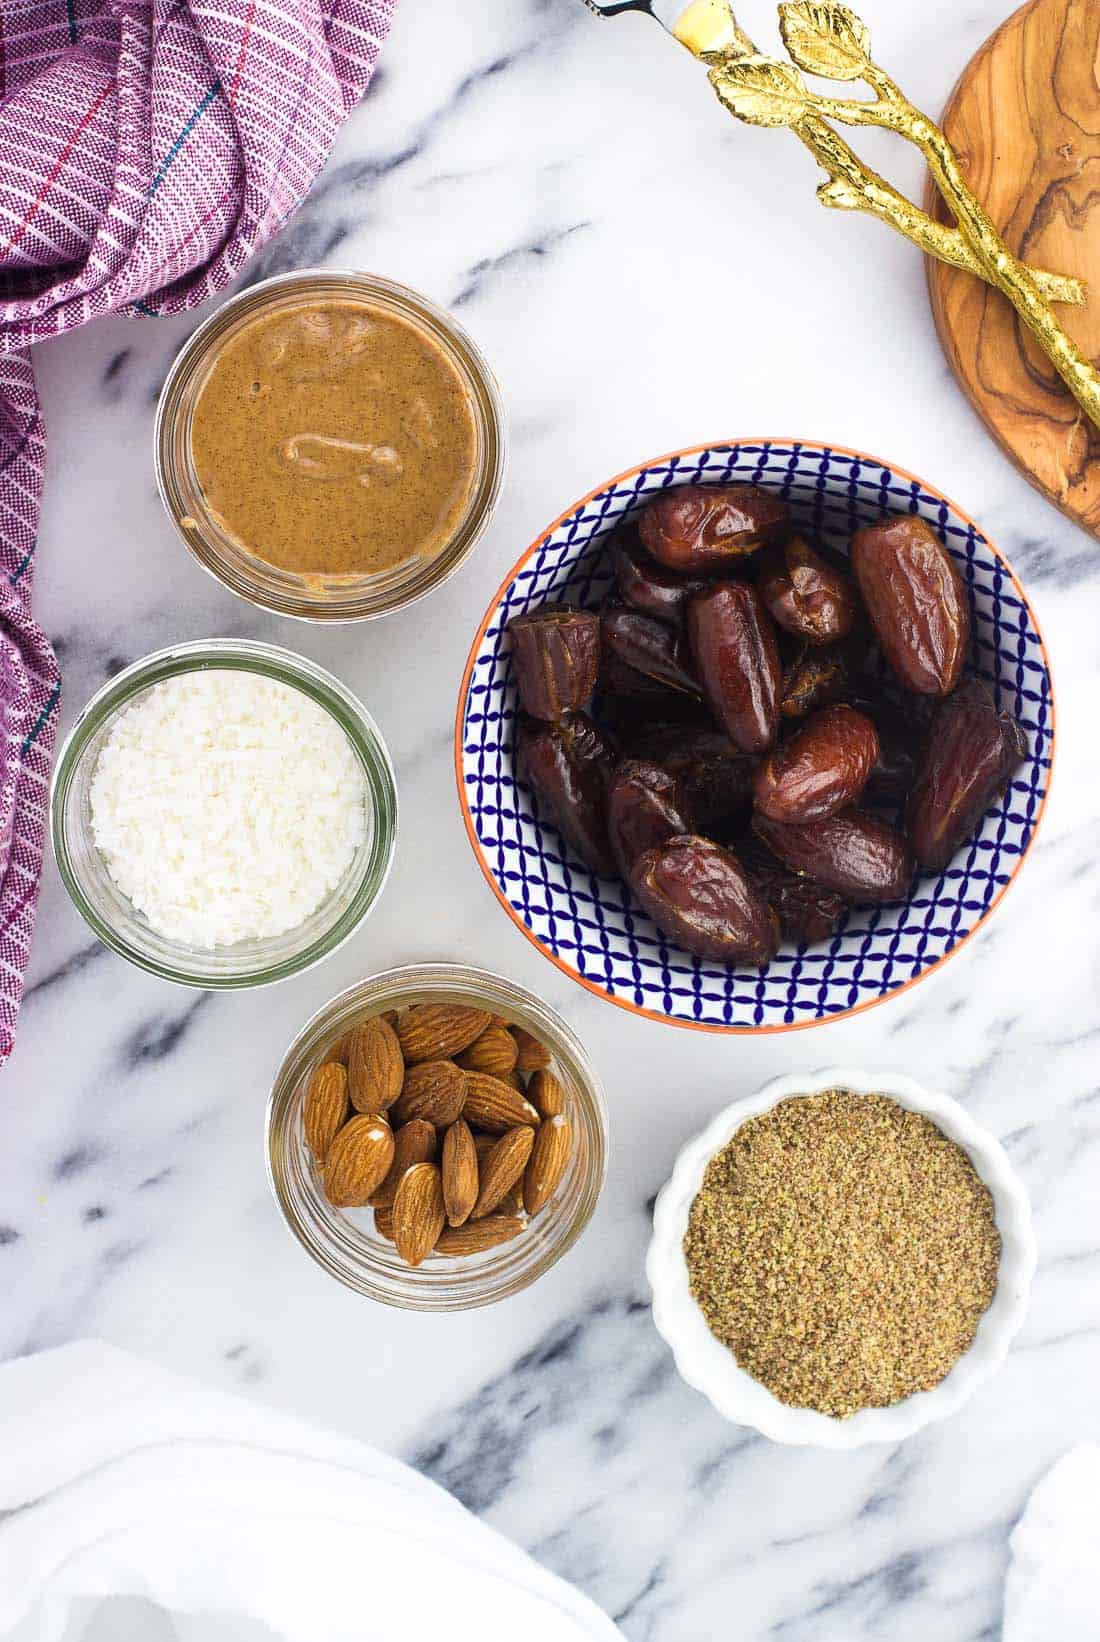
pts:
pixel 227 805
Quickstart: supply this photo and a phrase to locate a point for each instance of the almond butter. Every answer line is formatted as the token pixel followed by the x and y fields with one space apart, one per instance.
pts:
pixel 479 1234
pixel 418 1213
pixel 460 1173
pixel 439 1031
pixel 495 1106
pixel 531 1054
pixel 376 1068
pixel 358 1160
pixel 434 1090
pixel 413 1142
pixel 502 1168
pixel 545 1092
pixel 549 1156
pixel 494 1052
pixel 326 1107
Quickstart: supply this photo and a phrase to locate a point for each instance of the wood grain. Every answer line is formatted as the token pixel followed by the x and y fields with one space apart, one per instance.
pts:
pixel 1025 122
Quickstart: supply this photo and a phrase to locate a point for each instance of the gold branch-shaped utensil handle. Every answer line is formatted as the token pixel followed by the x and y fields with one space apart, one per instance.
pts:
pixel 710 31
pixel 829 40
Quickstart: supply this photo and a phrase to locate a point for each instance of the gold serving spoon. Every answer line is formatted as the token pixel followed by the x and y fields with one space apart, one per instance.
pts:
pixel 827 39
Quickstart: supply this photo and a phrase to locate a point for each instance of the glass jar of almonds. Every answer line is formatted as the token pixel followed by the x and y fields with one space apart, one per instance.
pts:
pixel 436 1137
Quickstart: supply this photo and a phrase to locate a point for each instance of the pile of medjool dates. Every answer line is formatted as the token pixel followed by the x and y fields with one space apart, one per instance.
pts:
pixel 755 732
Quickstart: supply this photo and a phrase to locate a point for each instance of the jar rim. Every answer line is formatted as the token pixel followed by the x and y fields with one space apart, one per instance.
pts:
pixel 311 598
pixel 285 666
pixel 435 1286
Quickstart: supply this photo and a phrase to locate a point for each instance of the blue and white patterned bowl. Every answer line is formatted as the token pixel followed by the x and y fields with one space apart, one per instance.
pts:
pixel 590 926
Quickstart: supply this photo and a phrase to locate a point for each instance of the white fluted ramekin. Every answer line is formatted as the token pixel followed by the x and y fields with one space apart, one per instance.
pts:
pixel 711 1368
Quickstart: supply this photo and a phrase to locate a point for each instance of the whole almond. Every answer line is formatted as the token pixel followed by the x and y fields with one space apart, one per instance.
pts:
pixel 434 1090
pixel 418 1213
pixel 479 1234
pixel 439 1031
pixel 514 1081
pixel 358 1160
pixel 326 1107
pixel 494 1052
pixel 502 1168
pixel 459 1169
pixel 545 1092
pixel 414 1142
pixel 531 1054
pixel 495 1106
pixel 375 1066
pixel 383 1223
pixel 549 1155
pixel 483 1145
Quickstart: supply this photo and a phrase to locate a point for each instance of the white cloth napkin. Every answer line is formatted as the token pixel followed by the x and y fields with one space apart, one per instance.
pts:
pixel 1053 1585
pixel 122 1479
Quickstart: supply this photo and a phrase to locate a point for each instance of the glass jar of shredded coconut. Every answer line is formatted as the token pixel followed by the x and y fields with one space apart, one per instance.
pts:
pixel 224 813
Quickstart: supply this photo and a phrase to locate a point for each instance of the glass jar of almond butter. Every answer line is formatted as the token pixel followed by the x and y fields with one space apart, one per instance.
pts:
pixel 330 445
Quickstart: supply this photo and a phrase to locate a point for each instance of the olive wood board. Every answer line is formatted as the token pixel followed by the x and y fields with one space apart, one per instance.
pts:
pixel 1025 122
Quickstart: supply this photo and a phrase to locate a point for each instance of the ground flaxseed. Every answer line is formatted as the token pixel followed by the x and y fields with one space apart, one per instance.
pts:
pixel 844 1249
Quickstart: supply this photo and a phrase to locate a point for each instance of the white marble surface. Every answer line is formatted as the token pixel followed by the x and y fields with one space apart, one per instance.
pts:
pixel 643 274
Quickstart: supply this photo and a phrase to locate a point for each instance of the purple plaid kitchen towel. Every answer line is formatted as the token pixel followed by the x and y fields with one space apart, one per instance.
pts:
pixel 147 149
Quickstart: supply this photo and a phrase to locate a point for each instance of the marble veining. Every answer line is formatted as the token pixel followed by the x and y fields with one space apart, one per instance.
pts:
pixel 636 268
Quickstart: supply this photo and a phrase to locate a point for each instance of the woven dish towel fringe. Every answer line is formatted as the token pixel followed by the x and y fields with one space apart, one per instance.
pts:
pixel 147 149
